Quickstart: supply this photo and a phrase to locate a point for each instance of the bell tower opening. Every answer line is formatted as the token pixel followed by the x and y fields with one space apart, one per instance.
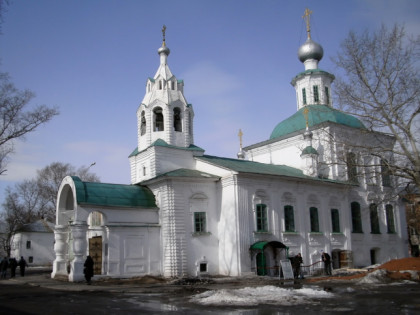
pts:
pixel 158 115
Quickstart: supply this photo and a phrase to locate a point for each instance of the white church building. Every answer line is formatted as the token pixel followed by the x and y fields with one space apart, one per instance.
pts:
pixel 186 213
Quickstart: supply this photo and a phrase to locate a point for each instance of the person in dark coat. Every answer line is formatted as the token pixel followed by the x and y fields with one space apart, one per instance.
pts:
pixel 3 267
pixel 296 263
pixel 22 265
pixel 88 270
pixel 327 263
pixel 13 265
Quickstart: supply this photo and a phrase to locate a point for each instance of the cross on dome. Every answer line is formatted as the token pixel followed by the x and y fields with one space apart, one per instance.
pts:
pixel 307 16
pixel 163 35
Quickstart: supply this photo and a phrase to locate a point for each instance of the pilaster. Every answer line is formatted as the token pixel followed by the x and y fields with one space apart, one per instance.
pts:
pixel 60 249
pixel 78 230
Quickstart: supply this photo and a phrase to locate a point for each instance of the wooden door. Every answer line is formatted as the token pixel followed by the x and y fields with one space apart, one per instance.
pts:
pixel 95 251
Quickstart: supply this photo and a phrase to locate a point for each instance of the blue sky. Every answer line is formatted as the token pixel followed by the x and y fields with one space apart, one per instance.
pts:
pixel 91 58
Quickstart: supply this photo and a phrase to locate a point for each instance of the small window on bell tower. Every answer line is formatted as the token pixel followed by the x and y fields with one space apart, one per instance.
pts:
pixel 158 115
pixel 142 124
pixel 316 94
pixel 177 119
pixel 327 95
pixel 304 96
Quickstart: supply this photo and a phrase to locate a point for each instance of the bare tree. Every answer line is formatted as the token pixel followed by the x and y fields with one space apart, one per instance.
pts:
pixel 20 207
pixel 15 119
pixel 381 86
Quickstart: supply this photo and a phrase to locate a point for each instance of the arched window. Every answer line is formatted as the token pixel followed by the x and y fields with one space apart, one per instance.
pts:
pixel 327 95
pixel 351 167
pixel 385 173
pixel 142 123
pixel 313 212
pixel 304 96
pixel 158 115
pixel 356 218
pixel 177 119
pixel 390 218
pixel 261 218
pixel 316 94
pixel 289 219
pixel 335 221
pixel 374 219
pixel 95 219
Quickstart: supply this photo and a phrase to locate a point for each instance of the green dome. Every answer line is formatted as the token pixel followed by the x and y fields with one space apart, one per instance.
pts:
pixel 317 114
pixel 309 150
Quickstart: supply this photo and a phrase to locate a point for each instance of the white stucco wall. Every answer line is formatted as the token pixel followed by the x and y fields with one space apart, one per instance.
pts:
pixel 40 251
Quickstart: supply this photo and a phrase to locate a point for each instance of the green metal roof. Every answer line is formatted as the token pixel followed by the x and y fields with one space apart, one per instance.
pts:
pixel 244 166
pixel 261 245
pixel 317 114
pixel 162 143
pixel 113 195
pixel 184 172
pixel 309 150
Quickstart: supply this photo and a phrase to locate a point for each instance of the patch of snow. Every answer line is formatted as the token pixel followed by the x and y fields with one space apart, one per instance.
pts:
pixel 413 274
pixel 376 277
pixel 261 295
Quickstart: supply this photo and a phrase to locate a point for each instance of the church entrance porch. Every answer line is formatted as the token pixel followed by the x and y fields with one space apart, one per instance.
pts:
pixel 266 257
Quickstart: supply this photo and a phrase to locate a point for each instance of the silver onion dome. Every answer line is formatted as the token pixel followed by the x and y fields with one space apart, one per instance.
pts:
pixel 164 50
pixel 310 50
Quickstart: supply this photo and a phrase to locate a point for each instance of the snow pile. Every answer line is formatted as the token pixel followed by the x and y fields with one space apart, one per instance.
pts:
pixel 260 295
pixel 414 275
pixel 375 277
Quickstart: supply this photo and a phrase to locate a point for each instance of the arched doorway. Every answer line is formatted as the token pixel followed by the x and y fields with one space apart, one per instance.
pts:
pixel 267 257
pixel 95 236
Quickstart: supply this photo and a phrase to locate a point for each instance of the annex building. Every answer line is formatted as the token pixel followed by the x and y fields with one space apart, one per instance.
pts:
pixel 186 213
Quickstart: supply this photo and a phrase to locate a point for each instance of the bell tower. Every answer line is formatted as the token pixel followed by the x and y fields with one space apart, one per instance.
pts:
pixel 165 139
pixel 313 86
pixel 164 112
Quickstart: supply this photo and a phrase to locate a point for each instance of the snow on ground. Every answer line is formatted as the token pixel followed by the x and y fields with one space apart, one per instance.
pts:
pixel 376 277
pixel 380 276
pixel 261 295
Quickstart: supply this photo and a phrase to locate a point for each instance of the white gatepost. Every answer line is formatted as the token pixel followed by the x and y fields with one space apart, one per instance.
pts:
pixel 78 230
pixel 60 249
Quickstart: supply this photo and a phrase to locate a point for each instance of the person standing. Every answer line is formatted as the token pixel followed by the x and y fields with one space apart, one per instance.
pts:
pixel 13 265
pixel 327 263
pixel 297 261
pixel 22 265
pixel 3 267
pixel 88 270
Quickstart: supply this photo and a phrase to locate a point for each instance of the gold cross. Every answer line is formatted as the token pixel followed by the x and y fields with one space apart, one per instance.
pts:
pixel 163 34
pixel 305 113
pixel 240 134
pixel 307 17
